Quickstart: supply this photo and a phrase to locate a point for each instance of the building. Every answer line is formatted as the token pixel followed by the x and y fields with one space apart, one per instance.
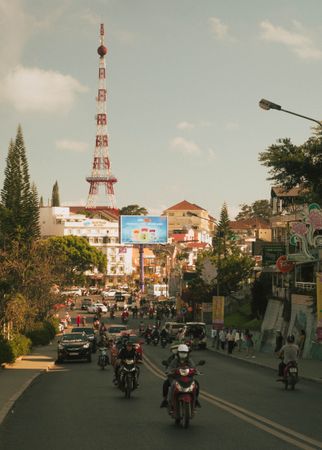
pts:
pixel 100 233
pixel 185 215
pixel 248 231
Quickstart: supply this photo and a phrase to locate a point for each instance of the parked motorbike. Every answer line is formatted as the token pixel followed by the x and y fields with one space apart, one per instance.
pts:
pixel 103 360
pixel 182 394
pixel 128 376
pixel 290 377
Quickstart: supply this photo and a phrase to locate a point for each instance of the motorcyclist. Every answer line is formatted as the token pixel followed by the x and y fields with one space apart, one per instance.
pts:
pixel 155 333
pixel 164 333
pixel 148 332
pixel 141 328
pixel 181 358
pixel 126 352
pixel 288 353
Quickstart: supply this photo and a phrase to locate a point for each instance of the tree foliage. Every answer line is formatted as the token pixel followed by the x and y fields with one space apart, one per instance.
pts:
pixel 55 200
pixel 291 165
pixel 260 292
pixel 74 255
pixel 133 210
pixel 260 209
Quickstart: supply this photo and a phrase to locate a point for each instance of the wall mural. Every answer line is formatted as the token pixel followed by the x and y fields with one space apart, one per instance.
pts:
pixel 305 234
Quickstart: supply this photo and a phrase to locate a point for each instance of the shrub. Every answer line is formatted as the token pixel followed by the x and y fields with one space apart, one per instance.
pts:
pixel 20 345
pixel 39 334
pixel 6 353
pixel 51 325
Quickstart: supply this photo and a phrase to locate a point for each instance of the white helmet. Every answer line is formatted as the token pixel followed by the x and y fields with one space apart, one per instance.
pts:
pixel 183 351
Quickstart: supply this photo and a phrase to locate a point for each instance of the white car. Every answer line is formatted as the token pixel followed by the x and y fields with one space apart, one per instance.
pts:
pixel 108 294
pixel 72 292
pixel 95 306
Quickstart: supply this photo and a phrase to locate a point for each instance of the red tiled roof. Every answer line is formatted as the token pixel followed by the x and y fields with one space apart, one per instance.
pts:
pixel 185 205
pixel 196 244
pixel 106 211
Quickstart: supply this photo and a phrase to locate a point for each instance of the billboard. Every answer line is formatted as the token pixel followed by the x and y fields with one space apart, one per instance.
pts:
pixel 218 311
pixel 143 229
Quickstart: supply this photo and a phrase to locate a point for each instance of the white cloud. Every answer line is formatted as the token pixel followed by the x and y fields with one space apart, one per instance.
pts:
pixel 33 89
pixel 211 154
pixel 185 125
pixel 125 37
pixel 90 17
pixel 299 42
pixel 185 146
pixel 75 146
pixel 232 126
pixel 219 29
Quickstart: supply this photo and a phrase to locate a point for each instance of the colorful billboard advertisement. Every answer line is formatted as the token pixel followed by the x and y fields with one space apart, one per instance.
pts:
pixel 319 304
pixel 143 230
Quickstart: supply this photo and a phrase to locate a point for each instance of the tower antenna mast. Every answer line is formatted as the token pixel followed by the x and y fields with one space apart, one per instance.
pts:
pixel 101 168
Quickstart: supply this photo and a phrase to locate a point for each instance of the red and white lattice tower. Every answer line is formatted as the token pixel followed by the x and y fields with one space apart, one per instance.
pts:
pixel 101 170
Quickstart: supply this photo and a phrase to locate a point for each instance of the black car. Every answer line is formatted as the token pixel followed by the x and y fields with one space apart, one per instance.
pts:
pixel 90 333
pixel 74 346
pixel 85 303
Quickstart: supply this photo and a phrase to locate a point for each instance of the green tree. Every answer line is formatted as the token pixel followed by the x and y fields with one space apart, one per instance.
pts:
pixel 261 289
pixel 19 199
pixel 55 201
pixel 260 209
pixel 290 166
pixel 74 256
pixel 133 210
pixel 223 242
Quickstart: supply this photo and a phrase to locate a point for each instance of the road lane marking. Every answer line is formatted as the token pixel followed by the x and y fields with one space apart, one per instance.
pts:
pixel 290 436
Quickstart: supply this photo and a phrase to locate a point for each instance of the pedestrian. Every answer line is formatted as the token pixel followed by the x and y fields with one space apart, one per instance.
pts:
pixel 249 344
pixel 214 336
pixel 230 342
pixel 83 320
pixel 78 319
pixel 238 340
pixel 301 342
pixel 279 341
pixel 222 339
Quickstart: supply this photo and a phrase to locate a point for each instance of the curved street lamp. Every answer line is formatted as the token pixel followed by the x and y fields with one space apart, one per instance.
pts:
pixel 267 104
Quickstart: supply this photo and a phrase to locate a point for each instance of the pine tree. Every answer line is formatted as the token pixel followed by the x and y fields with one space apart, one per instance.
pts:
pixel 20 222
pixel 55 201
pixel 223 241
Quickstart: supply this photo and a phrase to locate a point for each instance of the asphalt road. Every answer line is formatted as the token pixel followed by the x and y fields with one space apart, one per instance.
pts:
pixel 76 406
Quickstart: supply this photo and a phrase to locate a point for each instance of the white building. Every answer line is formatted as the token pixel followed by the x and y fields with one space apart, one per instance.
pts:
pixel 100 233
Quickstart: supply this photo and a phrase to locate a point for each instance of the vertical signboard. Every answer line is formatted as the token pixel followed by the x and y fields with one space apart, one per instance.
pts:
pixel 218 311
pixel 319 305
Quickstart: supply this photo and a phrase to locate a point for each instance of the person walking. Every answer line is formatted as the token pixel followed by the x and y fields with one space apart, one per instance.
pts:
pixel 78 319
pixel 238 339
pixel 222 339
pixel 214 336
pixel 230 342
pixel 249 344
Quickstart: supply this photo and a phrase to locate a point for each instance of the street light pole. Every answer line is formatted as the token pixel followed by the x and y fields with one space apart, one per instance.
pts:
pixel 267 104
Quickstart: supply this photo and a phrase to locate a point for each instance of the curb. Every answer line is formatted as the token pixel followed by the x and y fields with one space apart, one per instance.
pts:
pixel 258 363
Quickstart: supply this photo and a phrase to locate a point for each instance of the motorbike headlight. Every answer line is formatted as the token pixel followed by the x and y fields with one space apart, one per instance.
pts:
pixel 60 347
pixel 86 345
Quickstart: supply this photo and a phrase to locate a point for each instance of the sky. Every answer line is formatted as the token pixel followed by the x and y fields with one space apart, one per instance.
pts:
pixel 184 80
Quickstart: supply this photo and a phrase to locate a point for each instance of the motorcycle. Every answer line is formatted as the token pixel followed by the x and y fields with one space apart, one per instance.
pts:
pixel 128 376
pixel 155 340
pixel 182 394
pixel 290 377
pixel 148 339
pixel 164 341
pixel 103 360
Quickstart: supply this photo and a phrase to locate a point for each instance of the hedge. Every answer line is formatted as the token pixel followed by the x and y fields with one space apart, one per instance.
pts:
pixel 11 349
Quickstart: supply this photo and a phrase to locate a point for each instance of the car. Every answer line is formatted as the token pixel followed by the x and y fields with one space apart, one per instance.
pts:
pixel 74 346
pixel 195 334
pixel 86 303
pixel 114 331
pixel 90 333
pixel 173 329
pixel 95 307
pixel 108 294
pixel 72 292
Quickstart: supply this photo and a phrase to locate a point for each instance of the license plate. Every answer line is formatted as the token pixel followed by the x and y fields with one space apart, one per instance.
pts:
pixel 73 353
pixel 293 369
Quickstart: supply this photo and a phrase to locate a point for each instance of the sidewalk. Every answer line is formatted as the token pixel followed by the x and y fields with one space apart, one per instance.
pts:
pixel 16 377
pixel 309 369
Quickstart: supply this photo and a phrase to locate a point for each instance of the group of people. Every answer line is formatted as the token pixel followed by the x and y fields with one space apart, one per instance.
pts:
pixel 233 339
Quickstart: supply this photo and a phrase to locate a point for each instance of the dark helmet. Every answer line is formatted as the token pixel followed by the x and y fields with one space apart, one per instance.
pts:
pixel 290 339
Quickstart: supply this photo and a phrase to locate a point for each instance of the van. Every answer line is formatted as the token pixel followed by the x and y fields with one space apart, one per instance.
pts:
pixel 196 334
pixel 173 328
